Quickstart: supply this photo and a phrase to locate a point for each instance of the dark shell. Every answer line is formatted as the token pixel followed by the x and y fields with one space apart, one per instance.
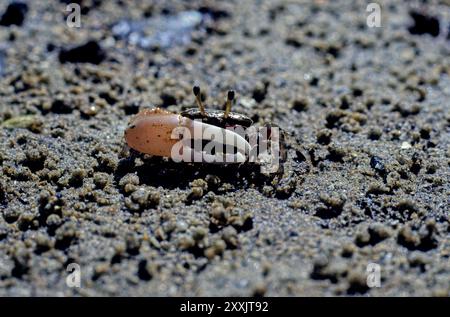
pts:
pixel 216 117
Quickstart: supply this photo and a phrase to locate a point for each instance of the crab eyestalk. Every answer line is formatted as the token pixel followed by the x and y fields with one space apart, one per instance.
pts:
pixel 198 98
pixel 230 98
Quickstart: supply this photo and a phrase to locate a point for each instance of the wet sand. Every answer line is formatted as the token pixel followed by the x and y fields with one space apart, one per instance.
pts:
pixel 366 179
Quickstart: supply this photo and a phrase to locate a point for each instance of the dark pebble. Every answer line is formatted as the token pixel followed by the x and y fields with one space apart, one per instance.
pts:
pixel 91 52
pixel 377 164
pixel 424 24
pixel 15 14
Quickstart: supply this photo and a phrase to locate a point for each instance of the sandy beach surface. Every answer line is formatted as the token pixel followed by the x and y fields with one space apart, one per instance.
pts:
pixel 364 187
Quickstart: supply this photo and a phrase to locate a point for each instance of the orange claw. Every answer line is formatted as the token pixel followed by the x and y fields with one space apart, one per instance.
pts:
pixel 150 131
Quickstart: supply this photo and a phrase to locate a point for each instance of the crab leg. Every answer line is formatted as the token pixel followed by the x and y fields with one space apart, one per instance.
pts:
pixel 190 155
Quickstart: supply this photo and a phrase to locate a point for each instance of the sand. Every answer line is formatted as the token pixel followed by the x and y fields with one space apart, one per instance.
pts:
pixel 366 179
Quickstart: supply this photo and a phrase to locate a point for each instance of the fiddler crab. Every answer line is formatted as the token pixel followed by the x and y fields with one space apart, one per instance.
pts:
pixel 197 135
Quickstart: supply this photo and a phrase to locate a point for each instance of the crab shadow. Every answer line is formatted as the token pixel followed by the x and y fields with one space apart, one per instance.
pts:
pixel 157 171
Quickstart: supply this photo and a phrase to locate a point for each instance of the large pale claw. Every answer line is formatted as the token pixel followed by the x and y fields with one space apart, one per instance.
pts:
pixel 227 137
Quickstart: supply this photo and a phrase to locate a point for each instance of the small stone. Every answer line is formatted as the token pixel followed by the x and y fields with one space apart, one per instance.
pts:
pixel 100 269
pixel 300 104
pixel 357 283
pixel 406 109
pixel 247 102
pixel 241 222
pixel 61 106
pixel 377 164
pixel 375 133
pixel 65 235
pixel 334 200
pixel 129 188
pixel 424 24
pixel 405 145
pixel 376 188
pixel 324 136
pixel 198 188
pixel 101 179
pixel 196 193
pixel 107 162
pixel 230 236
pixel 199 233
pixel 145 270
pixel 210 253
pixel 348 250
pixel 169 226
pixel 336 154
pixel 15 14
pixel 133 243
pixel 186 242
pixel 90 52
pixel 217 248
pixel 408 238
pixel 145 198
pixel 25 221
pixel 77 177
pixel 182 226
pixel 53 220
pixel 129 178
pixel 260 91
pixel 259 289
pixel 212 180
pixel 43 243
pixel 219 212
pixel 199 183
pixel 418 259
pixel 372 235
pixel 267 190
pixel 323 269
pixel 89 110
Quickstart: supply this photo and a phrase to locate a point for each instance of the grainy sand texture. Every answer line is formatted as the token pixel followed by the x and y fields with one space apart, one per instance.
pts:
pixel 366 112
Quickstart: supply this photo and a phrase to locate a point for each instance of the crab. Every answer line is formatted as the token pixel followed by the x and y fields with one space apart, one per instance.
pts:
pixel 206 136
